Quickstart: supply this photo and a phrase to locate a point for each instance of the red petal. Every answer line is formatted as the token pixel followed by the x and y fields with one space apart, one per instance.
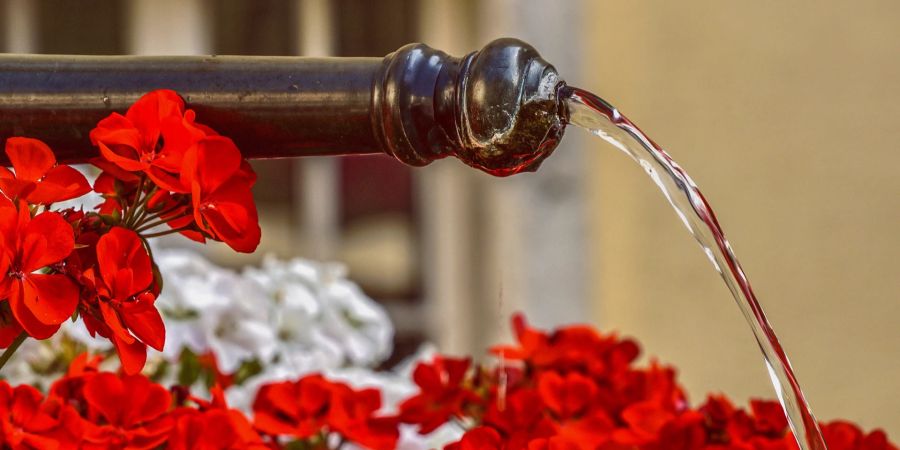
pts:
pixel 14 187
pixel 128 162
pixel 29 322
pixel 30 157
pixel 179 134
pixel 231 214
pixel 9 216
pixel 51 298
pixel 105 393
pixel 166 180
pixel 9 332
pixel 116 130
pixel 47 239
pixel 146 324
pixel 114 171
pixel 148 400
pixel 61 183
pixel 133 355
pixel 151 110
pixel 217 160
pixel 111 319
pixel 122 248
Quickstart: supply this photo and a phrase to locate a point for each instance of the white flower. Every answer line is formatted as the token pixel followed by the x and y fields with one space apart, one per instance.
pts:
pixel 208 308
pixel 316 305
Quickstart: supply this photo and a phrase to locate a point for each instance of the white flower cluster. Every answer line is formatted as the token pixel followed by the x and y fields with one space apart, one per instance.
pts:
pixel 292 317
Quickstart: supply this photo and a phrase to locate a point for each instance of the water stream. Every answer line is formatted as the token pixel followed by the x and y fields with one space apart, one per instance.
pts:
pixel 602 119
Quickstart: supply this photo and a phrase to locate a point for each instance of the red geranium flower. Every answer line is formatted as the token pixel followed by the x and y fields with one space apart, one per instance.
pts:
pixel 479 438
pixel 313 405
pixel 353 414
pixel 684 432
pixel 220 182
pixel 522 417
pixel 214 429
pixel 769 418
pixel 24 422
pixel 213 426
pixel 554 443
pixel 298 409
pixel 566 396
pixel 39 301
pixel 127 412
pixel 151 137
pixel 124 308
pixel 442 393
pixel 843 435
pixel 38 180
pixel 574 347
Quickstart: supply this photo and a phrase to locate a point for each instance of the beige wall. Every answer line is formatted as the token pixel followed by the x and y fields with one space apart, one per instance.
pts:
pixel 787 114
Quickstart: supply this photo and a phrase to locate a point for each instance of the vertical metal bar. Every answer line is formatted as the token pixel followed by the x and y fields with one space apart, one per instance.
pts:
pixel 317 185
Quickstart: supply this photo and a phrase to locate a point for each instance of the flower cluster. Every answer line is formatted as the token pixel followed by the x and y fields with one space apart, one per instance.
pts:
pixel 86 409
pixel 577 389
pixel 160 168
pixel 570 389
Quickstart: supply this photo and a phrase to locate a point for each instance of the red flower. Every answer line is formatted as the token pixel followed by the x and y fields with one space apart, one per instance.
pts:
pixel 39 301
pixel 214 429
pixel 769 419
pixel 479 438
pixel 842 435
pixel 212 426
pixel 25 424
pixel 572 401
pixel 38 180
pixel 151 137
pixel 124 308
pixel 554 443
pixel 314 405
pixel 522 417
pixel 566 396
pixel 574 347
pixel 684 432
pixel 128 412
pixel 442 393
pixel 354 415
pixel 298 409
pixel 219 181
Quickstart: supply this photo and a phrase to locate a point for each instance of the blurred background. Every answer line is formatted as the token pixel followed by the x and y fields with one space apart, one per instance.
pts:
pixel 785 113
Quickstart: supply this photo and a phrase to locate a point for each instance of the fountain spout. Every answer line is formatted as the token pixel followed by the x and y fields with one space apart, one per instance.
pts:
pixel 496 109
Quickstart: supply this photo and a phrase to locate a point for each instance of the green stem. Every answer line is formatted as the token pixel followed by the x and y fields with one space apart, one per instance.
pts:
pixel 139 218
pixel 137 199
pixel 12 348
pixel 152 225
pixel 170 209
pixel 167 232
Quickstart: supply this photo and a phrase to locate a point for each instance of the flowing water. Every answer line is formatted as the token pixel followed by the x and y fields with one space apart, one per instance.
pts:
pixel 602 119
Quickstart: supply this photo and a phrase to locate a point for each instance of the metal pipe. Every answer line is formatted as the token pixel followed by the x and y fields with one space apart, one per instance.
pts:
pixel 496 109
